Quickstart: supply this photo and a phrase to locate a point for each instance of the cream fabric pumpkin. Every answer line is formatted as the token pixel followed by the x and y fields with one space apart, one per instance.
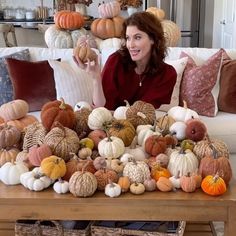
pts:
pixel 112 190
pixel 61 186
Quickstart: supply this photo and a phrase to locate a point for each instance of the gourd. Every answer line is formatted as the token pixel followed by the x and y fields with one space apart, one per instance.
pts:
pixel 87 142
pixel 137 188
pixel 85 53
pixel 105 28
pixel 61 186
pixel 141 113
pixel 9 136
pixel 10 172
pixel 164 184
pixel 14 110
pixel 54 167
pixel 137 171
pixel 157 12
pixel 62 141
pixel 70 20
pixel 179 113
pixel 57 111
pixel 124 130
pixel 112 189
pixel 109 9
pixel 124 183
pixel 111 147
pixel 155 145
pixel 35 180
pixel 213 185
pixel 182 162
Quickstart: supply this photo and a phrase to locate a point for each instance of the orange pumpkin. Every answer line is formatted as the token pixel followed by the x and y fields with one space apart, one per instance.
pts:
pixel 124 183
pixel 213 185
pixel 105 28
pixel 157 171
pixel 70 20
pixel 85 53
pixel 57 111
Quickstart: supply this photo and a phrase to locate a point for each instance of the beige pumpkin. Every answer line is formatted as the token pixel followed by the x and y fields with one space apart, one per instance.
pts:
pixel 137 188
pixel 84 53
pixel 157 12
pixel 8 155
pixel 82 184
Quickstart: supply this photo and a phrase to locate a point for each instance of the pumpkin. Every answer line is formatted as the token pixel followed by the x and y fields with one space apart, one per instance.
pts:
pixel 61 186
pixel 59 38
pixel 111 147
pixel 8 155
pixel 9 136
pixel 62 141
pixel 213 185
pixel 14 110
pixel 97 135
pixel 124 130
pixel 204 147
pixel 162 159
pixel 179 113
pixel 137 171
pixel 100 163
pixel 112 189
pixel 172 32
pixel 178 129
pixel 124 183
pixel 70 20
pixel 81 123
pixel 157 171
pixel 10 172
pixel 157 12
pixel 187 144
pixel 109 43
pixel 82 184
pixel 212 164
pixel 136 151
pixel 141 113
pixel 164 123
pixel 35 180
pixel 105 28
pixel 188 183
pixel 150 184
pixel 137 188
pixel 87 142
pixel 84 153
pixel 116 165
pixel 103 177
pixel 86 40
pixel 175 180
pixel 57 111
pixel 109 9
pixel 23 157
pixel 195 130
pixel 182 162
pixel 23 122
pixel 84 53
pixel 38 153
pixel 82 105
pixel 54 167
pixel 120 112
pixel 164 184
pixel 155 145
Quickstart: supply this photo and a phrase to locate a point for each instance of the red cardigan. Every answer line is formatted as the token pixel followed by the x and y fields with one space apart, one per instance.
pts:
pixel 119 85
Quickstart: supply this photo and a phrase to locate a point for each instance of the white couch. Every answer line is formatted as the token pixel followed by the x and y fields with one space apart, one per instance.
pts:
pixel 222 126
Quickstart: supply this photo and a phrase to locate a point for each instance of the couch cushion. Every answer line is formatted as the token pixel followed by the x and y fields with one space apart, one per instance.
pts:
pixel 200 84
pixel 6 89
pixel 32 82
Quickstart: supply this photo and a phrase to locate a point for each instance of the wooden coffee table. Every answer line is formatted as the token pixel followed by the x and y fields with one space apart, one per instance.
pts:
pixel 16 202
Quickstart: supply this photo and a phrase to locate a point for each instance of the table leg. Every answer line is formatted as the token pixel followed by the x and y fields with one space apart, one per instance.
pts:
pixel 230 226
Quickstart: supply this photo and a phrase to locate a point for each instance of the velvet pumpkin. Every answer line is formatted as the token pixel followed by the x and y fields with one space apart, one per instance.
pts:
pixel 97 135
pixel 57 111
pixel 109 9
pixel 155 145
pixel 70 20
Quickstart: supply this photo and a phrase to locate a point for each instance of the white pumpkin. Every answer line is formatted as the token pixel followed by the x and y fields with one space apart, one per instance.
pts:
pixel 82 104
pixel 112 43
pixel 120 112
pixel 112 190
pixel 182 162
pixel 10 172
pixel 61 186
pixel 175 180
pixel 109 9
pixel 99 117
pixel 178 130
pixel 111 147
pixel 179 113
pixel 126 157
pixel 34 180
pixel 137 152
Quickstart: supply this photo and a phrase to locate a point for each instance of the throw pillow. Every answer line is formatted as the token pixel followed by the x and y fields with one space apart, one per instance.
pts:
pixel 72 83
pixel 179 66
pixel 6 89
pixel 200 84
pixel 32 82
pixel 227 94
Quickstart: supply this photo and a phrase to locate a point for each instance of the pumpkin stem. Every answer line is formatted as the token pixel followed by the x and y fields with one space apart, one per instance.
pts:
pixel 185 104
pixel 62 105
pixel 214 151
pixel 142 115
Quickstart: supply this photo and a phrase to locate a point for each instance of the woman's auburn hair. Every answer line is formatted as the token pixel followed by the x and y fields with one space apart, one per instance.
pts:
pixel 151 25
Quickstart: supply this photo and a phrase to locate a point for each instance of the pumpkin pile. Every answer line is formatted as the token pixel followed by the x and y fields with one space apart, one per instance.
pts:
pixel 83 150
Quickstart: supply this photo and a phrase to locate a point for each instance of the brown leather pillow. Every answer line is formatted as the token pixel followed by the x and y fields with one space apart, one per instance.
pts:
pixel 227 93
pixel 32 82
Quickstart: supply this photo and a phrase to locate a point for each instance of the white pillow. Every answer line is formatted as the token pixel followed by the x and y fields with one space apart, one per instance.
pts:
pixel 179 66
pixel 72 83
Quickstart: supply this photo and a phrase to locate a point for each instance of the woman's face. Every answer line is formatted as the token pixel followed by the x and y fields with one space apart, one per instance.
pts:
pixel 138 43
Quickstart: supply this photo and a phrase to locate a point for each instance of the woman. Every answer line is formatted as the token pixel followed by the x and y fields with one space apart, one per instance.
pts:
pixel 137 70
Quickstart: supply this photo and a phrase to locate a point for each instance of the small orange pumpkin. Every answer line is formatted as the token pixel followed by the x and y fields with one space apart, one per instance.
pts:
pixel 84 53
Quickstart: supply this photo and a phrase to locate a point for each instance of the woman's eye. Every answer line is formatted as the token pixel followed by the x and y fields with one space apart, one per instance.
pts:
pixel 138 37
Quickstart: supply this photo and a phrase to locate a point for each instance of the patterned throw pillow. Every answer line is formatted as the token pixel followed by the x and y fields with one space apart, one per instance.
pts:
pixel 6 89
pixel 200 84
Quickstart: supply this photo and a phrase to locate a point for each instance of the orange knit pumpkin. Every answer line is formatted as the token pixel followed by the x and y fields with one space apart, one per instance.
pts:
pixel 107 28
pixel 57 111
pixel 70 20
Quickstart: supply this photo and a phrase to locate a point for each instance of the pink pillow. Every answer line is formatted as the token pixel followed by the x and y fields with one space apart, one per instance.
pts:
pixel 200 84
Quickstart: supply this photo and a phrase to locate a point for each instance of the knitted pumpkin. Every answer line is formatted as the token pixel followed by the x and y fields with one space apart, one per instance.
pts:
pixel 57 111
